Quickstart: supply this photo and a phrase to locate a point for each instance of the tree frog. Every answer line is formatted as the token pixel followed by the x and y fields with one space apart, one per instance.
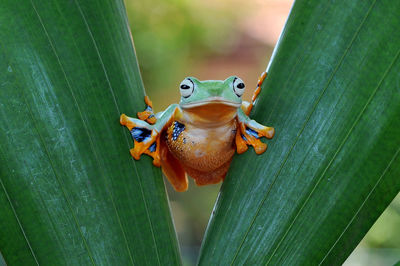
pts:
pixel 199 136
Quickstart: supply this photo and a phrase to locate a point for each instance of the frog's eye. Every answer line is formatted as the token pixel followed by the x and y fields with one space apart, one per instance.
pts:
pixel 238 87
pixel 186 88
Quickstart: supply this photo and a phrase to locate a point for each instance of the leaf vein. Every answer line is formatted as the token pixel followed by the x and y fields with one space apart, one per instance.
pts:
pixel 127 142
pixel 336 153
pixel 43 143
pixel 362 204
pixel 302 129
pixel 16 216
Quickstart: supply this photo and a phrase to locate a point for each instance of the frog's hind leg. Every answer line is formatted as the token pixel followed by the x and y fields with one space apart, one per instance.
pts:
pixel 146 140
pixel 246 106
pixel 173 169
pixel 147 114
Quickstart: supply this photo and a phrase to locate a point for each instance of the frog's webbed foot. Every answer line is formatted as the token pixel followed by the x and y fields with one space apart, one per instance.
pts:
pixel 147 114
pixel 249 132
pixel 146 138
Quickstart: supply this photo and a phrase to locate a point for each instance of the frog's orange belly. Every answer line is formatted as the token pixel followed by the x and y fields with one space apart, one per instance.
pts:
pixel 205 153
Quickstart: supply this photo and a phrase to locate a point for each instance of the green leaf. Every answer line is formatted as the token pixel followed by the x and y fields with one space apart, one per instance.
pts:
pixel 333 96
pixel 69 190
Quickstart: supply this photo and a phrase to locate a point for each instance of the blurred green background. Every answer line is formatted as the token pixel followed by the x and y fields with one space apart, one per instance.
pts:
pixel 214 40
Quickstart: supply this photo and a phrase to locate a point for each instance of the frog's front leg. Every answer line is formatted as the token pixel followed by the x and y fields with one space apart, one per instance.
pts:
pixel 249 132
pixel 146 137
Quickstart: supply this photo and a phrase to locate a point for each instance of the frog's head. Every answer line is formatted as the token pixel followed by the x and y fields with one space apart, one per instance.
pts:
pixel 196 93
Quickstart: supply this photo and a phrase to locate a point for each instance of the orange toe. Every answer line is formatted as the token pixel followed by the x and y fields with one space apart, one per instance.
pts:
pixel 247 136
pixel 125 121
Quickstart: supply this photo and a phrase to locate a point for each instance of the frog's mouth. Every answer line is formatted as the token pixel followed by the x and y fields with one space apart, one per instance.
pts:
pixel 211 101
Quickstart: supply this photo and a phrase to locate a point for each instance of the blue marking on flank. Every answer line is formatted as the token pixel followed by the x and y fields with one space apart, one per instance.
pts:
pixel 153 147
pixel 140 134
pixel 178 128
pixel 252 132
pixel 243 137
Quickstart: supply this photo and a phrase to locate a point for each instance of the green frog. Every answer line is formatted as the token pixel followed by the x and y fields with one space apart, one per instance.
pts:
pixel 199 136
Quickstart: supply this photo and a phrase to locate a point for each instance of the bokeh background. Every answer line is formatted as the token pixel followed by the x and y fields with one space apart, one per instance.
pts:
pixel 213 40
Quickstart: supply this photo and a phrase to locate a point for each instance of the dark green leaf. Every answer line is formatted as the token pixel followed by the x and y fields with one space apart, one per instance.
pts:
pixel 333 96
pixel 69 190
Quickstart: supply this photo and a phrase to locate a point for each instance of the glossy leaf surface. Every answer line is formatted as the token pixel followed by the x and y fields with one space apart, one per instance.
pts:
pixel 70 193
pixel 333 96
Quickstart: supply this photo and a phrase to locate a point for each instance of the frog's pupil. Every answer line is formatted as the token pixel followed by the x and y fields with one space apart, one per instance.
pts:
pixel 240 85
pixel 185 87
